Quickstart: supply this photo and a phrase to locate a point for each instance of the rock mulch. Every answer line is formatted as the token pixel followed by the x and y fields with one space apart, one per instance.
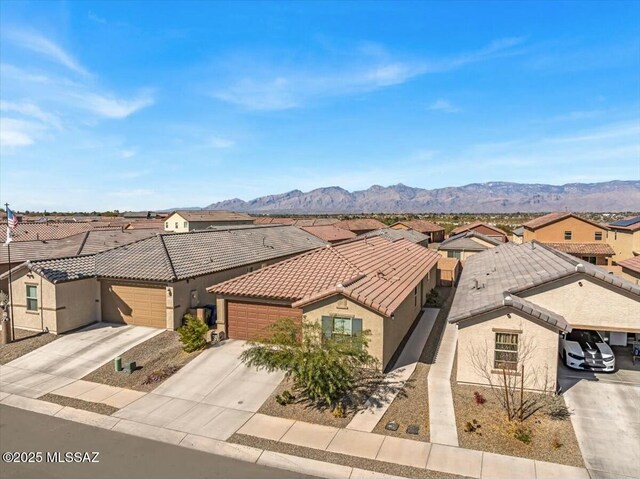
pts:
pixel 552 440
pixel 157 359
pixel 26 341
pixel 96 407
pixel 350 461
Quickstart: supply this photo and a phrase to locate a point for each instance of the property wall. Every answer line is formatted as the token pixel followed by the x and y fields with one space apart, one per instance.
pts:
pixel 624 243
pixel 582 232
pixel 476 346
pixel 588 303
pixel 45 317
pixel 77 304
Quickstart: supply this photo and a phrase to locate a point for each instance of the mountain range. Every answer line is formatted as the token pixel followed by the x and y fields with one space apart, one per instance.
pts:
pixel 492 197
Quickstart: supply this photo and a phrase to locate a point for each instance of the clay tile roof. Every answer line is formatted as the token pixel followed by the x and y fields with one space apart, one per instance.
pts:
pixel 376 272
pixel 557 216
pixel 423 226
pixel 46 231
pixel 391 233
pixel 475 224
pixel 584 248
pixel 632 263
pixel 512 268
pixel 361 224
pixel 329 233
pixel 213 215
pixel 268 220
pixel 315 222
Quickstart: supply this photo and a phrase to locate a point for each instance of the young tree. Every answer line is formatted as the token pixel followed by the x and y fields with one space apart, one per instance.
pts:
pixel 322 367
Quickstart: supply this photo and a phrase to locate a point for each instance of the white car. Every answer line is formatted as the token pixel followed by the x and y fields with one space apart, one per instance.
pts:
pixel 585 349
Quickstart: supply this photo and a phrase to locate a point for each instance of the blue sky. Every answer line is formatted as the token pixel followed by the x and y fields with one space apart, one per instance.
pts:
pixel 154 104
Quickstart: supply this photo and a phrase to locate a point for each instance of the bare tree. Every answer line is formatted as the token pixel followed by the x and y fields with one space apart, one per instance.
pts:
pixel 519 385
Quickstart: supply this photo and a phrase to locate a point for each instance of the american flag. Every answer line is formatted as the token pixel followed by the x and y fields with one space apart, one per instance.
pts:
pixel 12 219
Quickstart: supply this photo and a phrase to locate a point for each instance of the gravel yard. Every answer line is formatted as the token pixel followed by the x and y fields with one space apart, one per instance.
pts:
pixel 412 406
pixel 160 356
pixel 26 341
pixel 351 461
pixel 552 440
pixel 96 407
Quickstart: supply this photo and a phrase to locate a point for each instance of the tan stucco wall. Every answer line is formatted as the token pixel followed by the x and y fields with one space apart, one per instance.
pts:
pixel 172 220
pixel 592 305
pixel 516 239
pixel 78 304
pixel 582 232
pixel 45 317
pixel 476 339
pixel 196 225
pixel 624 243
pixel 463 253
pixel 632 276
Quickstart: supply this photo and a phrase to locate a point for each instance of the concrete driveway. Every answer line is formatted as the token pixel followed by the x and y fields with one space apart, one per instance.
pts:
pixel 606 419
pixel 69 358
pixel 212 396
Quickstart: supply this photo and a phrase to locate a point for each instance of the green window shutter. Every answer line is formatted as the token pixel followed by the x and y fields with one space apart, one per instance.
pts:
pixel 356 326
pixel 327 326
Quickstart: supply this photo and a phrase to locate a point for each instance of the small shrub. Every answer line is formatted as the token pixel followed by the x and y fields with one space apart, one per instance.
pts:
pixel 338 411
pixel 285 398
pixel 479 398
pixel 433 299
pixel 192 334
pixel 472 426
pixel 160 375
pixel 523 434
pixel 556 443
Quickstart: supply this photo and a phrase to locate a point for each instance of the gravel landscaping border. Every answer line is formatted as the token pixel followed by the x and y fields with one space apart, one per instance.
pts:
pixel 96 407
pixel 25 342
pixel 335 458
pixel 161 355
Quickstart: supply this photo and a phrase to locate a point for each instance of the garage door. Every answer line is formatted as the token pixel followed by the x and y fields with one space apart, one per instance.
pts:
pixel 141 305
pixel 247 320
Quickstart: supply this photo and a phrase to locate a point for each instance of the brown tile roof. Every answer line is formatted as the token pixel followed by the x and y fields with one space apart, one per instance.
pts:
pixel 49 231
pixel 632 263
pixel 361 224
pixel 391 233
pixel 423 226
pixel 550 218
pixel 376 272
pixel 598 249
pixel 315 222
pixel 268 220
pixel 213 215
pixel 475 224
pixel 329 233
pixel 146 224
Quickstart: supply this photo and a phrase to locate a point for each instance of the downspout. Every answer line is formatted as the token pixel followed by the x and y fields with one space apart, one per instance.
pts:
pixel 41 305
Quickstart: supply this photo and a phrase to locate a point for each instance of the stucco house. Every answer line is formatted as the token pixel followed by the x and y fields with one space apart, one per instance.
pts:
pixel 631 268
pixel 374 284
pixel 190 220
pixel 391 233
pixel 359 225
pixel 624 238
pixel 516 299
pixel 433 231
pixel 483 228
pixel 464 245
pixel 329 233
pixel 571 234
pixel 151 282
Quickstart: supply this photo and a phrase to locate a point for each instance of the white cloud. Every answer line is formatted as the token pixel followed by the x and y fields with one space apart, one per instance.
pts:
pixel 30 110
pixel 39 44
pixel 109 106
pixel 128 153
pixel 221 143
pixel 443 105
pixel 257 87
pixel 17 133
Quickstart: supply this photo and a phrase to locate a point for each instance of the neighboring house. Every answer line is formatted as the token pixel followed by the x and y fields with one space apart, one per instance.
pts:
pixel 624 238
pixel 300 222
pixel 449 270
pixel 393 234
pixel 517 236
pixel 360 225
pixel 433 231
pixel 49 230
pixel 631 268
pixel 270 220
pixel 146 224
pixel 373 284
pixel 329 233
pixel 152 282
pixel 513 301
pixel 89 242
pixel 482 228
pixel 183 221
pixel 571 234
pixel 464 245
pixel 138 215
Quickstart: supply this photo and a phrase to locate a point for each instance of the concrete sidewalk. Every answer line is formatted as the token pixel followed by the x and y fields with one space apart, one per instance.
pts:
pixel 442 418
pixel 100 393
pixel 377 405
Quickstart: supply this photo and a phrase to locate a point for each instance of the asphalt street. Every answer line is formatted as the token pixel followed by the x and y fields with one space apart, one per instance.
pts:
pixel 121 455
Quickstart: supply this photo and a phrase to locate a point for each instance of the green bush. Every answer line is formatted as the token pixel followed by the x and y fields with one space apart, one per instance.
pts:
pixel 322 368
pixel 433 299
pixel 523 434
pixel 192 334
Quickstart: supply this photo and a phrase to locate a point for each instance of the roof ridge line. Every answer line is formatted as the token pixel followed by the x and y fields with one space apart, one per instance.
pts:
pixel 168 257
pixel 84 241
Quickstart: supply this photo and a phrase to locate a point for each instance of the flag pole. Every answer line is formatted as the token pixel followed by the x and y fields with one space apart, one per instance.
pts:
pixel 13 331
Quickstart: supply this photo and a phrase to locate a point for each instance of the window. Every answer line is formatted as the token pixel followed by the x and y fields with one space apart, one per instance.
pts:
pixel 590 259
pixel 454 254
pixel 568 235
pixel 185 224
pixel 166 224
pixel 176 225
pixel 341 326
pixel 32 297
pixel 506 351
pixel 598 236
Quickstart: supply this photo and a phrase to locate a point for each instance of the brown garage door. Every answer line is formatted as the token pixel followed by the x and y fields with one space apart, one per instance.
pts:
pixel 246 320
pixel 141 305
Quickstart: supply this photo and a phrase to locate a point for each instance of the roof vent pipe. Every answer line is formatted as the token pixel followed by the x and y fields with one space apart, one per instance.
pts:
pixel 507 300
pixel 580 268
